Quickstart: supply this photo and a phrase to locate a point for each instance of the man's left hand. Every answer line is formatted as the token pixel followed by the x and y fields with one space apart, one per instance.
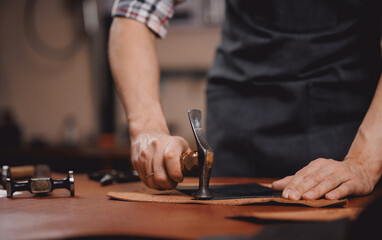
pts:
pixel 327 177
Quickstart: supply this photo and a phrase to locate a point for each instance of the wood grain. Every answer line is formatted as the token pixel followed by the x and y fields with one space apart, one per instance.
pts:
pixel 91 213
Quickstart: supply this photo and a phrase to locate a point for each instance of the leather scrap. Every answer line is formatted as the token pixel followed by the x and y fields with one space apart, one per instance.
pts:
pixel 174 196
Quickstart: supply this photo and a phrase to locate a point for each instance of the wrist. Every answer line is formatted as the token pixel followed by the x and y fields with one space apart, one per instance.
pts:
pixel 147 121
pixel 366 154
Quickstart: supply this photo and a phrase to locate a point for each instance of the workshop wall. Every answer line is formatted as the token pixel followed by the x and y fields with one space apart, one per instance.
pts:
pixel 43 93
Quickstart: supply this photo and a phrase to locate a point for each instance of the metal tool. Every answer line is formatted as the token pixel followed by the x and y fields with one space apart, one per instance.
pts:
pixel 41 185
pixel 109 177
pixel 204 156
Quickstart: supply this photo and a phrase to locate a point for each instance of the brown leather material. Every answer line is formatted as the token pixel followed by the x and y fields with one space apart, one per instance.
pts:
pixel 175 196
pixel 91 213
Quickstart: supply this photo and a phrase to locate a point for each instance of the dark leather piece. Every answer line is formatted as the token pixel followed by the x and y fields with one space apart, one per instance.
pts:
pixel 234 191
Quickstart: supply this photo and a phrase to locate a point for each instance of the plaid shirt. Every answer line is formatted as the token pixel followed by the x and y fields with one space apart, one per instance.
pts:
pixel 153 13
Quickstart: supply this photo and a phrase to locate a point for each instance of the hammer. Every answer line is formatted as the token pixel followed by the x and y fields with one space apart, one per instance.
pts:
pixel 41 185
pixel 199 161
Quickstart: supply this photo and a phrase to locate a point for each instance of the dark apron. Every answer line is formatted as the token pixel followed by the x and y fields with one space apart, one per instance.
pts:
pixel 291 82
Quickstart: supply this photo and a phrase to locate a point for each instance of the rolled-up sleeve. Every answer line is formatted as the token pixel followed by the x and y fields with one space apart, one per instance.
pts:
pixel 155 14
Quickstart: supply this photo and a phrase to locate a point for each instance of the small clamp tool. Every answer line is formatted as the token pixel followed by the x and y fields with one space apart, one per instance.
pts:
pixel 41 185
pixel 200 161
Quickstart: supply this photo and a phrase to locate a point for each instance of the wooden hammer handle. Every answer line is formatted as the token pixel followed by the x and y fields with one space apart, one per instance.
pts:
pixel 20 172
pixel 29 171
pixel 189 163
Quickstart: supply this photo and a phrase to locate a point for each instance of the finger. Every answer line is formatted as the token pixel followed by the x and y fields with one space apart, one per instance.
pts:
pixel 188 149
pixel 171 158
pixel 325 186
pixel 161 177
pixel 302 184
pixel 342 191
pixel 138 156
pixel 279 185
pixel 143 155
pixel 306 179
pixel 149 178
pixel 138 167
pixel 137 164
pixel 146 157
pixel 291 188
pixel 290 191
pixel 134 163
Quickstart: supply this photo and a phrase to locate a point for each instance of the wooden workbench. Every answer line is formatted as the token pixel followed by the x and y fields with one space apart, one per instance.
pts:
pixel 91 213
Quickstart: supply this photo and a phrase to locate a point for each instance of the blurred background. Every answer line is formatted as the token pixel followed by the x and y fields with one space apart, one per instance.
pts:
pixel 58 102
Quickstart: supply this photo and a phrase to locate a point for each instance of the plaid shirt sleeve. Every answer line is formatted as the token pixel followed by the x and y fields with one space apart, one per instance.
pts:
pixel 153 13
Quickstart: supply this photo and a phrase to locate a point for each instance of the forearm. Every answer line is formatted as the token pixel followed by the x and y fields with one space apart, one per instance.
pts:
pixel 366 148
pixel 356 175
pixel 135 68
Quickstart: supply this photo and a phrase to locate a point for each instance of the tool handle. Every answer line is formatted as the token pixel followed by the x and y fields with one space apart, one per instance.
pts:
pixel 21 186
pixel 189 163
pixel 60 183
pixel 21 172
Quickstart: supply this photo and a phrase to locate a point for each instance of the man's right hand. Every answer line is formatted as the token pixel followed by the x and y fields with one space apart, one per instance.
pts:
pixel 156 158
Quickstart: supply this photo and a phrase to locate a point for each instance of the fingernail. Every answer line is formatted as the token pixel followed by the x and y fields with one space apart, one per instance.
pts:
pixel 286 193
pixel 294 195
pixel 177 179
pixel 180 179
pixel 330 196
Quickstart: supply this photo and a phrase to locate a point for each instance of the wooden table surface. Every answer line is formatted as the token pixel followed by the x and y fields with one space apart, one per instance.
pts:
pixel 91 213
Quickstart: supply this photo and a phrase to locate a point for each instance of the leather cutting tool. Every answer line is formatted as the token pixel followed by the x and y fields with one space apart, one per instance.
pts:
pixel 199 161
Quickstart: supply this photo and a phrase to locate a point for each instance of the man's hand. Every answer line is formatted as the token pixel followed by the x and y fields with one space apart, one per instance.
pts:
pixel 327 177
pixel 156 158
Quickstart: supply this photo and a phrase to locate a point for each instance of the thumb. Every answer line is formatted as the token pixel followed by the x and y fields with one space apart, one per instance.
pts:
pixel 171 157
